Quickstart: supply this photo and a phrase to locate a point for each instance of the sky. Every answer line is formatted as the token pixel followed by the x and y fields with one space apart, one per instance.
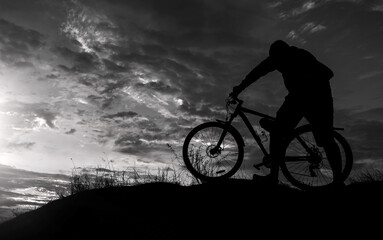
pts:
pixel 22 190
pixel 84 81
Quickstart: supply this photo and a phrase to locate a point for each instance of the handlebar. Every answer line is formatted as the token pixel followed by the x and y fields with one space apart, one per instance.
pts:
pixel 232 99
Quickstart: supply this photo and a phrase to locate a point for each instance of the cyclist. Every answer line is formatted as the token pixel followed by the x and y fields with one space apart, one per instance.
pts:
pixel 309 96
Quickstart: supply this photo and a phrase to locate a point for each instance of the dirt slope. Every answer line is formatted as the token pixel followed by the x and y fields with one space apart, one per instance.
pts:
pixel 237 208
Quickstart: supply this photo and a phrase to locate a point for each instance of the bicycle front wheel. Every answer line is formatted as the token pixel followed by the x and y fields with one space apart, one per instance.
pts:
pixel 207 161
pixel 306 165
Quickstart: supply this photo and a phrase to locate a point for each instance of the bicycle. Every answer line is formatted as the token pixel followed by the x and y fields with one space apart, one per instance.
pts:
pixel 215 151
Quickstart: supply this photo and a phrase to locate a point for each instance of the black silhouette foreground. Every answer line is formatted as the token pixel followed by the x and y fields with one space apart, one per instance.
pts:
pixel 308 83
pixel 238 209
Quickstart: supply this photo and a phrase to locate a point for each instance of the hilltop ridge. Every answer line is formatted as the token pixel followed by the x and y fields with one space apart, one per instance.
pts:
pixel 212 210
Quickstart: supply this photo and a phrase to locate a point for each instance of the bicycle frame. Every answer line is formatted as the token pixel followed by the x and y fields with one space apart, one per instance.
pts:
pixel 241 111
pixel 299 148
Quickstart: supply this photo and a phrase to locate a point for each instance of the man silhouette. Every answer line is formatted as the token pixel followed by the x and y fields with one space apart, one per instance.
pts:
pixel 309 96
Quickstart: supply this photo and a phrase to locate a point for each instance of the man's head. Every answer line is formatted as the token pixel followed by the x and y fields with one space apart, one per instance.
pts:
pixel 278 49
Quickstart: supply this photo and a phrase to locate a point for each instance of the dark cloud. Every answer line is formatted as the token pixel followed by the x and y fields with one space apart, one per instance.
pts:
pixel 157 87
pixel 23 64
pixel 151 128
pixel 129 143
pixel 31 111
pixel 17 42
pixel 142 136
pixel 363 130
pixel 137 74
pixel 71 131
pixel 107 88
pixel 17 186
pixel 103 101
pixel 51 76
pixel 20 37
pixel 120 115
pixel 21 145
pixel 194 45
pixel 80 61
pixel 366 138
pixel 196 109
pixel 48 115
pixel 205 24
pixel 112 66
pixel 375 114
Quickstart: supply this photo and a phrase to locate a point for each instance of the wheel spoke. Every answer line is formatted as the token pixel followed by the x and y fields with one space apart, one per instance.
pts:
pixel 309 169
pixel 205 159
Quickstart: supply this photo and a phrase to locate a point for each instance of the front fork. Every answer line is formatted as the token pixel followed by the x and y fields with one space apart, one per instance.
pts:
pixel 217 148
pixel 227 125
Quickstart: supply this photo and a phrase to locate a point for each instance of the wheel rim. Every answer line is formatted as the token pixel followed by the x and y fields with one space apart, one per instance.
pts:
pixel 205 160
pixel 315 171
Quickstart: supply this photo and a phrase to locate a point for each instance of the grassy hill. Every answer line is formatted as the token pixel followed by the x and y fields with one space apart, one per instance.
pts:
pixel 241 209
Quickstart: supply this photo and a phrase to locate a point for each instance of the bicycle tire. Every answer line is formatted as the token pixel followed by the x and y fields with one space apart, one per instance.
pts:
pixel 199 160
pixel 305 180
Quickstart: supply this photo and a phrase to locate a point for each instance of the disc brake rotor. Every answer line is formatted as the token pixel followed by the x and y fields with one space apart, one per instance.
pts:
pixel 212 152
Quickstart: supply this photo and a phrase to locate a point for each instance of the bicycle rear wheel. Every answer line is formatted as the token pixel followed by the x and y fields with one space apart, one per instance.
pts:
pixel 205 160
pixel 311 169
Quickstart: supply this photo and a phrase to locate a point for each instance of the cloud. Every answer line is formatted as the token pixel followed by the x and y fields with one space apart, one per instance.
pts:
pixel 21 145
pixel 292 10
pixel 120 116
pixel 363 131
pixel 307 28
pixel 133 75
pixel 157 87
pixel 306 6
pixel 89 28
pixel 23 64
pixel 157 56
pixel 129 143
pixel 31 116
pixel 71 131
pixel 376 6
pixel 367 140
pixel 17 36
pixel 311 27
pixel 374 114
pixel 24 190
pixel 187 24
pixel 18 43
pixel 47 115
pixel 370 74
pixel 80 61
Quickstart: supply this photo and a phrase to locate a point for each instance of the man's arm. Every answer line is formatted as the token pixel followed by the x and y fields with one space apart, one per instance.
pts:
pixel 260 70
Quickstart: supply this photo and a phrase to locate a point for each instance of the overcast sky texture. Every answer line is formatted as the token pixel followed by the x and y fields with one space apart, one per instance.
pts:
pixel 83 80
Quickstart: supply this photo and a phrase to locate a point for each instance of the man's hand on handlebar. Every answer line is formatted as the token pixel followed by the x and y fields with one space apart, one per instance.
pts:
pixel 236 91
pixel 233 97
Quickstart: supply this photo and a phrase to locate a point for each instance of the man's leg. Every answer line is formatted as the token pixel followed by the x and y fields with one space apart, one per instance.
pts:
pixel 276 153
pixel 288 117
pixel 334 157
pixel 321 117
